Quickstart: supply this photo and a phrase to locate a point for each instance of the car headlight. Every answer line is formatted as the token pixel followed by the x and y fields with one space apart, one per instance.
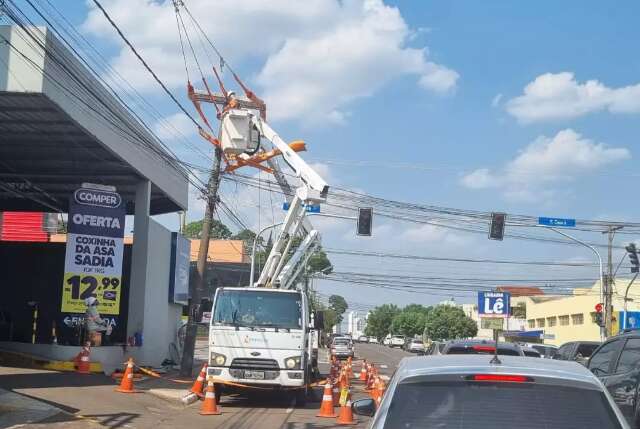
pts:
pixel 292 363
pixel 216 359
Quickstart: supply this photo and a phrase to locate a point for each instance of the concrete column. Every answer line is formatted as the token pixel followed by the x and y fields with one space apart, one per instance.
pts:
pixel 139 258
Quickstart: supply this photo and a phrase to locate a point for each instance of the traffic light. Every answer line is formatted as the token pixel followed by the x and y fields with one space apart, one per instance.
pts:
pixel 496 231
pixel 633 257
pixel 365 216
pixel 599 320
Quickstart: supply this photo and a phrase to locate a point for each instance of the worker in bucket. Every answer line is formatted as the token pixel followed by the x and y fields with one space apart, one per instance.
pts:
pixel 94 323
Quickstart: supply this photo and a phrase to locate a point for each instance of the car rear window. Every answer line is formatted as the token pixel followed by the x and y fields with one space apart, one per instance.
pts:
pixel 467 405
pixel 462 350
pixel 340 342
pixel 586 350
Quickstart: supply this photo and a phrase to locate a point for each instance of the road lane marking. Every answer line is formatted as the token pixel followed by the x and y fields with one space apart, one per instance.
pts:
pixel 384 366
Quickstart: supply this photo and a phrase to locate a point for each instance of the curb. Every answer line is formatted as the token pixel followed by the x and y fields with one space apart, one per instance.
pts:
pixel 44 363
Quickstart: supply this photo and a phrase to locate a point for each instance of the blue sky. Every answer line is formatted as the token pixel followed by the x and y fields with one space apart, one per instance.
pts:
pixel 523 107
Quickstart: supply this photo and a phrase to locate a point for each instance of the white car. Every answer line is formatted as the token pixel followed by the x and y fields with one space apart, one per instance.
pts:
pixel 397 341
pixel 373 340
pixel 387 341
pixel 416 346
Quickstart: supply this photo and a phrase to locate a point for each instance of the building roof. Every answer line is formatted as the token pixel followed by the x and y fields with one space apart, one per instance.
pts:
pixel 521 290
pixel 60 127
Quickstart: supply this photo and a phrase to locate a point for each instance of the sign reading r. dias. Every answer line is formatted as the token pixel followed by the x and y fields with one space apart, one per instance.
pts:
pixel 93 260
pixel 494 304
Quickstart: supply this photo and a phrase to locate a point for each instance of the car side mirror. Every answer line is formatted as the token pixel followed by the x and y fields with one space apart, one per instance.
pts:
pixel 364 407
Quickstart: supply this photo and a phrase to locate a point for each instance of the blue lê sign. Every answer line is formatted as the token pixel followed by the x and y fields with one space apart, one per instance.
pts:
pixel 494 304
pixel 556 221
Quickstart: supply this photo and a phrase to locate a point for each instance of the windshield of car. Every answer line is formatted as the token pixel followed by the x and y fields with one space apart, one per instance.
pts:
pixel 531 353
pixel 258 309
pixel 398 337
pixel 471 405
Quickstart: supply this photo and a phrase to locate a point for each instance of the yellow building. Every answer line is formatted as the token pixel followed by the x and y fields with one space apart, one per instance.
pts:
pixel 572 318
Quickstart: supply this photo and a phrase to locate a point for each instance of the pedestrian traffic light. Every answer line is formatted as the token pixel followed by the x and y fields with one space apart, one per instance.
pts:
pixel 365 221
pixel 632 251
pixel 496 231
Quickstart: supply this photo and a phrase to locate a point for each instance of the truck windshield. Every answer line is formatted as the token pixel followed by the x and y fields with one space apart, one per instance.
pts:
pixel 258 309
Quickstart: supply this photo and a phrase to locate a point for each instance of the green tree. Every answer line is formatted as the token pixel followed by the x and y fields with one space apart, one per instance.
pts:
pixel 417 308
pixel 339 305
pixel 408 323
pixel 219 230
pixel 380 319
pixel 445 322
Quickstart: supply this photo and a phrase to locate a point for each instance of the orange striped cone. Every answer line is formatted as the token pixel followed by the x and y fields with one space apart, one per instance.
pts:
pixel 126 385
pixel 346 414
pixel 326 407
pixel 209 405
pixel 83 362
pixel 363 371
pixel 198 385
pixel 381 390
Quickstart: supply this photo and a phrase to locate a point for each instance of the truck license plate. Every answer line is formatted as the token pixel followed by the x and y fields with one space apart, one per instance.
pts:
pixel 254 375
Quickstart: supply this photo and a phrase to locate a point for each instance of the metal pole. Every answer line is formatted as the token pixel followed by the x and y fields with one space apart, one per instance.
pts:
pixel 253 249
pixel 626 292
pixel 608 291
pixel 593 249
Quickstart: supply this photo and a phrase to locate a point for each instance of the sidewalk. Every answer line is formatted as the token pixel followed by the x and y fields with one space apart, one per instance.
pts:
pixel 18 409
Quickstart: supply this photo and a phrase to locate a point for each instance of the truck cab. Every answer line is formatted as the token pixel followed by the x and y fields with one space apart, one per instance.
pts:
pixel 260 337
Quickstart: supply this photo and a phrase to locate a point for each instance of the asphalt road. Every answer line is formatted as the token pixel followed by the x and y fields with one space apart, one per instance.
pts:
pixel 89 401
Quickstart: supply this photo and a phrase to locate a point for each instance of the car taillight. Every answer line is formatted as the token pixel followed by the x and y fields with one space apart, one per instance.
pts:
pixel 500 378
pixel 488 349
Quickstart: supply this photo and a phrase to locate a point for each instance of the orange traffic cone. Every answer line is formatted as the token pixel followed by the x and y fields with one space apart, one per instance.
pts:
pixel 326 407
pixel 198 385
pixel 126 385
pixel 363 371
pixel 83 362
pixel 210 406
pixel 381 390
pixel 346 414
pixel 371 378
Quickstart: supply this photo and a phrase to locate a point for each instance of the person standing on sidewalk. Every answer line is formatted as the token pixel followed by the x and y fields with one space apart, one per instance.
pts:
pixel 94 323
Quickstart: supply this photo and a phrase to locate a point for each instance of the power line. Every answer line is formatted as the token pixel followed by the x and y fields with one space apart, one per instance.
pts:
pixel 144 63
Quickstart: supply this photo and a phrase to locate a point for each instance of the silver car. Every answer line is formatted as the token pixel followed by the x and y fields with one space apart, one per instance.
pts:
pixel 467 391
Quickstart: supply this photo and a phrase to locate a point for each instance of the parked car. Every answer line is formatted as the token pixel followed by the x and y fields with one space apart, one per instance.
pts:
pixel 580 351
pixel 397 341
pixel 435 348
pixel 547 351
pixel 617 364
pixel 416 346
pixel 469 392
pixel 342 347
pixel 363 339
pixel 387 341
pixel 373 340
pixel 467 347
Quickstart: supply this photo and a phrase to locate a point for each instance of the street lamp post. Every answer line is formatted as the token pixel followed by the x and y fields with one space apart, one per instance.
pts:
pixel 593 249
pixel 255 239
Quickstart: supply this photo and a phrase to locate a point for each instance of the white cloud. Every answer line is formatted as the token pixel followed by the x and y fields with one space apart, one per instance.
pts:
pixel 560 96
pixel 496 100
pixel 174 126
pixel 432 234
pixel 316 59
pixel 530 176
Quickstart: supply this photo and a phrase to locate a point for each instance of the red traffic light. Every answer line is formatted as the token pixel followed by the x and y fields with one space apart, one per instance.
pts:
pixel 599 307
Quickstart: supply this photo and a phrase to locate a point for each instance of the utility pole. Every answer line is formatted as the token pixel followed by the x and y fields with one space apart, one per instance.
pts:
pixel 197 286
pixel 609 282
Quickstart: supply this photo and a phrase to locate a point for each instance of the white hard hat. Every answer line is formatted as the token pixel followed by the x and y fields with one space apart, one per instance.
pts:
pixel 231 94
pixel 89 301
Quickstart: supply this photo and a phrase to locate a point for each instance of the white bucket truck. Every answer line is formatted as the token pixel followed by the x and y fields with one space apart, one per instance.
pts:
pixel 263 335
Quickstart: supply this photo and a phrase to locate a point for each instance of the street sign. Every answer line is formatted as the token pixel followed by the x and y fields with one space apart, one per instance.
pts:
pixel 492 323
pixel 308 208
pixel 494 304
pixel 556 221
pixel 599 307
